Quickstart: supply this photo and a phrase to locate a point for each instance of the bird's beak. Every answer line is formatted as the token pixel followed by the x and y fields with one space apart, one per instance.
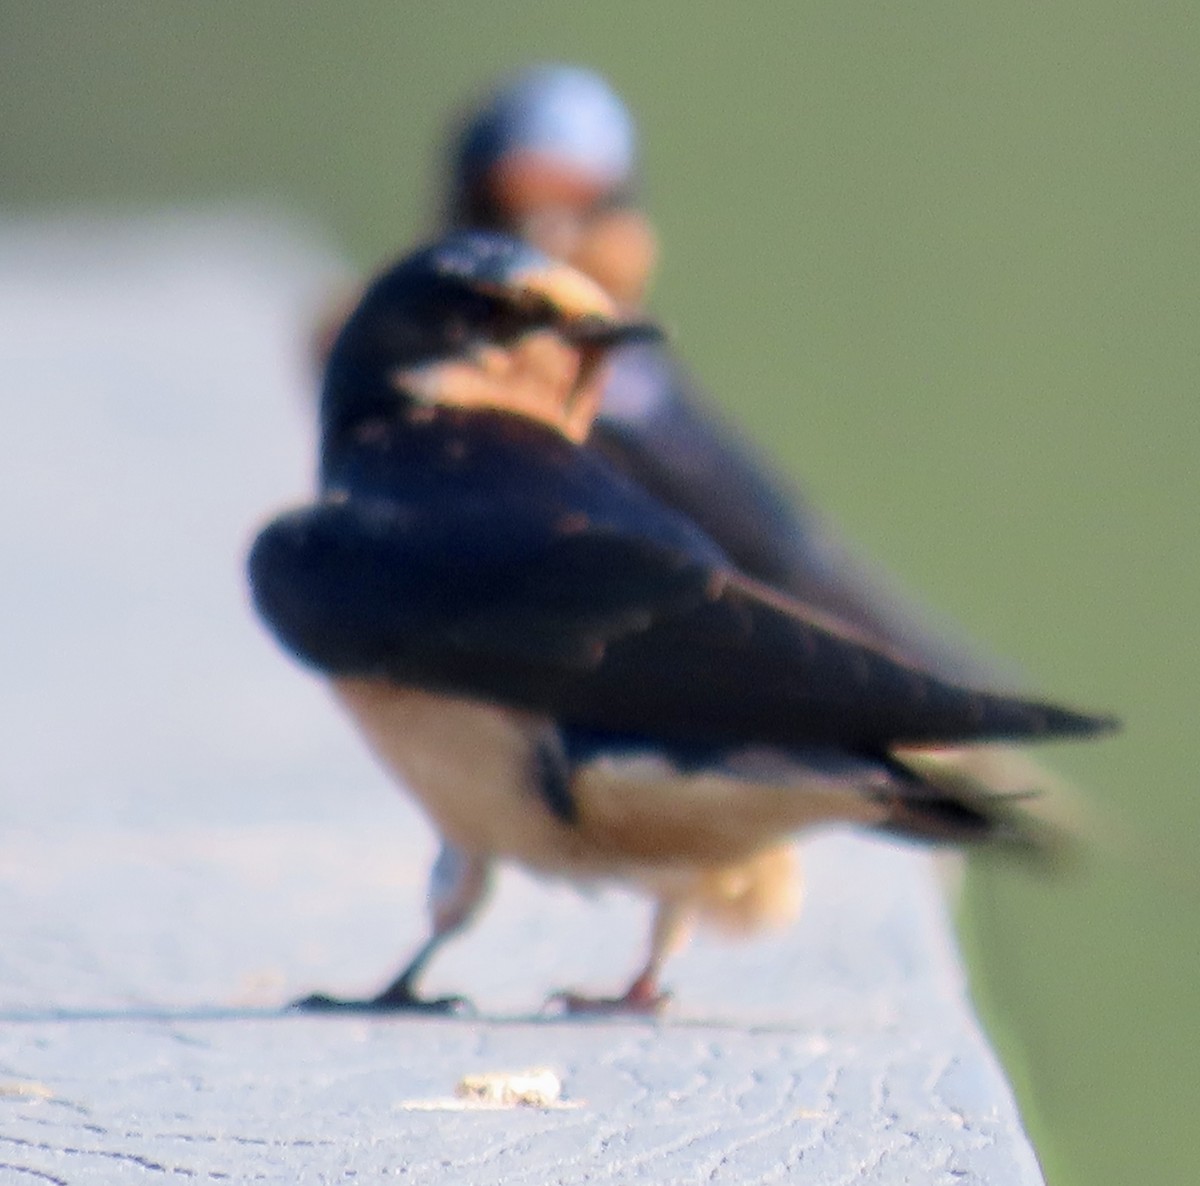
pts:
pixel 606 332
pixel 589 316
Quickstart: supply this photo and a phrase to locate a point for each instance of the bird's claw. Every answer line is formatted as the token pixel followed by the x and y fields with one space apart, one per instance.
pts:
pixel 386 1002
pixel 632 1004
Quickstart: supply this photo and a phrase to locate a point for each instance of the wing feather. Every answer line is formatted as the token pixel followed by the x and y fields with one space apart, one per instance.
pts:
pixel 605 629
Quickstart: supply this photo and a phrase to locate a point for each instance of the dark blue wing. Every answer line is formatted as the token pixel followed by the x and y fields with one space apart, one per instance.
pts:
pixel 490 559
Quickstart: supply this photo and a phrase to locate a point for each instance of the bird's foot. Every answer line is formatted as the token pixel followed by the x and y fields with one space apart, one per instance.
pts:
pixel 395 999
pixel 643 999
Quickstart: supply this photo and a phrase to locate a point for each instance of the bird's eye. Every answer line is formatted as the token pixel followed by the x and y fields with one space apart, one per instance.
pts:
pixel 459 332
pixel 513 320
pixel 495 319
pixel 471 321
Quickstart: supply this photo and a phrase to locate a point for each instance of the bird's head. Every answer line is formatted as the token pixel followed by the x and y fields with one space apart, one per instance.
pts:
pixel 551 156
pixel 477 321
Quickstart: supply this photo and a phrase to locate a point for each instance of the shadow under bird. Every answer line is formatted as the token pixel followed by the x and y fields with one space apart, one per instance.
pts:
pixel 565 671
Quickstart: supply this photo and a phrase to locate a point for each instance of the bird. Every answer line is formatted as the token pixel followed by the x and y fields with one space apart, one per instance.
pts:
pixel 551 155
pixel 566 671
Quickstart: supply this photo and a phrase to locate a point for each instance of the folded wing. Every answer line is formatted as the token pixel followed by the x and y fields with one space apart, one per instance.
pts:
pixel 605 629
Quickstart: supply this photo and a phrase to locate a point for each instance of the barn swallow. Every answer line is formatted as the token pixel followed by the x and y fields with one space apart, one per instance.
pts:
pixel 551 155
pixel 565 670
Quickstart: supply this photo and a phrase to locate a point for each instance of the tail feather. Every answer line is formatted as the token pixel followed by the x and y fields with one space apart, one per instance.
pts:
pixel 991 796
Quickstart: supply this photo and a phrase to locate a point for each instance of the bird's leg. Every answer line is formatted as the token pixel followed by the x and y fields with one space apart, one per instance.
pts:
pixel 458 886
pixel 671 930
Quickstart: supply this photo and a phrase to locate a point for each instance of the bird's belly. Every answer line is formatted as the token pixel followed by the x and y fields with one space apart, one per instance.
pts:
pixel 651 810
pixel 715 839
pixel 472 766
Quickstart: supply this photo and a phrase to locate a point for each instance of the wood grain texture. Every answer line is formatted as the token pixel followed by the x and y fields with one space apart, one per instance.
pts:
pixel 142 973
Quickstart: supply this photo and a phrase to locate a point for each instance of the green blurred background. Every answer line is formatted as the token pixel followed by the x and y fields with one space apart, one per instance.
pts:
pixel 940 260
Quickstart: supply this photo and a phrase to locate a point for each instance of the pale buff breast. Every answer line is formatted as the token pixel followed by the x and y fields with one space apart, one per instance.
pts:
pixel 472 766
